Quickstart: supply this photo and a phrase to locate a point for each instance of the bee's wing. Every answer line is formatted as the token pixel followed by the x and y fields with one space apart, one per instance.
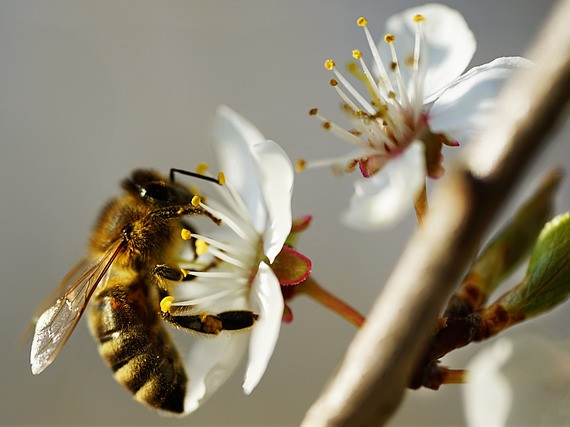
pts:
pixel 70 277
pixel 55 324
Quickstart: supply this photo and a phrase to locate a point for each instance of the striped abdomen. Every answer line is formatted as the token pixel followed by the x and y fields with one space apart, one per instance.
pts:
pixel 134 343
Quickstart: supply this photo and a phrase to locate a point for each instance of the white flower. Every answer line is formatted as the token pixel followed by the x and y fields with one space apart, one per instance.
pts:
pixel 254 205
pixel 519 380
pixel 418 100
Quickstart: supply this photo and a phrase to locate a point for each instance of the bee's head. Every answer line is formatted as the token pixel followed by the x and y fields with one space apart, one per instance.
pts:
pixel 153 188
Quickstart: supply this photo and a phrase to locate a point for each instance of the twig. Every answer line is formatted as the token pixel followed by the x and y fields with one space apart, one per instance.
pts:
pixel 381 360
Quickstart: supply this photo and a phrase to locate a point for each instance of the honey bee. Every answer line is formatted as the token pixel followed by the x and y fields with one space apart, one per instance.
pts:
pixel 130 260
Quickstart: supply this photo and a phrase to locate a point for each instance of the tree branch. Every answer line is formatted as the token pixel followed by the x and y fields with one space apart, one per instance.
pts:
pixel 384 354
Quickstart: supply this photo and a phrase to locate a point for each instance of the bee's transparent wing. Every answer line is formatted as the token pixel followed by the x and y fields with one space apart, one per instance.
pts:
pixel 56 324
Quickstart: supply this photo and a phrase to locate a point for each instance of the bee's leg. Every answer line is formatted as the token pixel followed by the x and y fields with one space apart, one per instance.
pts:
pixel 170 273
pixel 172 212
pixel 213 324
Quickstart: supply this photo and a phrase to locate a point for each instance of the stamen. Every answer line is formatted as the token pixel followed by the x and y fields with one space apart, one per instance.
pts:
pixel 329 64
pixel 241 209
pixel 186 234
pixel 196 201
pixel 166 303
pixel 230 260
pixel 300 165
pixel 384 80
pixel 216 274
pixel 209 242
pixel 196 301
pixel 419 69
pixel 345 97
pixel 225 220
pixel 344 134
pixel 390 38
pixel 373 87
pixel 369 108
pixel 340 160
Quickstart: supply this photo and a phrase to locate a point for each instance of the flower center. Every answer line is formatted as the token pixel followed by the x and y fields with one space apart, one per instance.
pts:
pixel 225 261
pixel 391 117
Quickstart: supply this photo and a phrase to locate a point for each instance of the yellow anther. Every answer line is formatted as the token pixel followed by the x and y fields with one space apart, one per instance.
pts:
pixel 356 54
pixel 393 66
pixel 166 303
pixel 329 64
pixel 333 82
pixel 202 168
pixel 300 165
pixel 327 125
pixel 196 200
pixel 392 95
pixel 361 22
pixel 185 272
pixel 221 178
pixel 186 234
pixel 419 18
pixel 201 247
pixel 389 38
pixel 313 111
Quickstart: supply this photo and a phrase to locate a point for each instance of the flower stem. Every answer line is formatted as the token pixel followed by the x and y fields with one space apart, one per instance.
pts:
pixel 421 205
pixel 312 289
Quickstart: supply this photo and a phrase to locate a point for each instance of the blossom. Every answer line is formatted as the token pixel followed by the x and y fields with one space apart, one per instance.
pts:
pixel 418 101
pixel 520 379
pixel 231 267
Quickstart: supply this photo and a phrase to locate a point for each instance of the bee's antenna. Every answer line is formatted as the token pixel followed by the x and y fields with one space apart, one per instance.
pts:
pixel 192 174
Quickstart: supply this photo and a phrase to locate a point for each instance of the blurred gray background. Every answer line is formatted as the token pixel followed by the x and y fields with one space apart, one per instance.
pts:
pixel 91 90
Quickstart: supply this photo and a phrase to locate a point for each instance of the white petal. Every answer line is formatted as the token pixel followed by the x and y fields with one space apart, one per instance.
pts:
pixel 210 363
pixel 451 44
pixel 266 294
pixel 380 200
pixel 233 141
pixel 465 107
pixel 277 186
pixel 487 394
pixel 521 379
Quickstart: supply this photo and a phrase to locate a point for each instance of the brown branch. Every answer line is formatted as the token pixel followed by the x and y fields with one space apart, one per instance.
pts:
pixel 384 354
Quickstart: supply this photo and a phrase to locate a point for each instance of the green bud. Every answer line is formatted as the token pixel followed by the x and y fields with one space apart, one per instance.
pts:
pixel 545 285
pixel 549 268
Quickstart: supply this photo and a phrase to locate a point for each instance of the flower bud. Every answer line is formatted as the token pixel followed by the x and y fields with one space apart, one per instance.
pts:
pixel 549 268
pixel 547 280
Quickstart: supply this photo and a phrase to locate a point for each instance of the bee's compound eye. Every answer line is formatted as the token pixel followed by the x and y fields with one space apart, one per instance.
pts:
pixel 156 190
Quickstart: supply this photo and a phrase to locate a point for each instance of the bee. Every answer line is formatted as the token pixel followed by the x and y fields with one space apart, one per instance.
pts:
pixel 131 258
